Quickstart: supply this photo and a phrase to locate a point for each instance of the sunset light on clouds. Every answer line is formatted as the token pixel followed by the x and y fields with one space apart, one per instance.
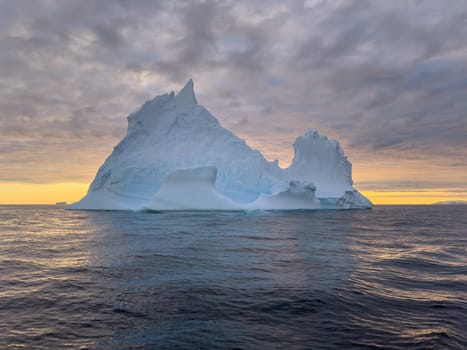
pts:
pixel 386 79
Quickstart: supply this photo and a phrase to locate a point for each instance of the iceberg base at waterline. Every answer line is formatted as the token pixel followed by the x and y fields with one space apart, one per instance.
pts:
pixel 297 196
pixel 194 189
pixel 191 189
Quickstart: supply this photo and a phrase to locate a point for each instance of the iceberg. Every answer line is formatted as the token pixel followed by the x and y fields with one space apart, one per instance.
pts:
pixel 458 202
pixel 177 156
pixel 191 189
pixel 298 195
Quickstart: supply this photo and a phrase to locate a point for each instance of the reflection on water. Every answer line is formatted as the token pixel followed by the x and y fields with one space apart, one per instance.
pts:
pixel 392 277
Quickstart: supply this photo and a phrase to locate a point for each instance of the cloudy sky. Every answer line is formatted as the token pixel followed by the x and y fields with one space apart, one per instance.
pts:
pixel 388 79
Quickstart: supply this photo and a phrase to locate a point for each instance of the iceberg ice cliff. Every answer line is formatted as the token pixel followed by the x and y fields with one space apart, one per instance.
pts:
pixel 176 156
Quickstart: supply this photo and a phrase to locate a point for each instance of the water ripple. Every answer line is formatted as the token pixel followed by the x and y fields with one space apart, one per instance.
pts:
pixel 389 278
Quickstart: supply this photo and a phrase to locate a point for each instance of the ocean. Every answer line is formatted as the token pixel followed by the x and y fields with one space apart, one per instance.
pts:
pixel 394 277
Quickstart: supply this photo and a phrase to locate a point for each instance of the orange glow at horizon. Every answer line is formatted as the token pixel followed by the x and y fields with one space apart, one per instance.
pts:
pixel 411 197
pixel 49 193
pixel 28 193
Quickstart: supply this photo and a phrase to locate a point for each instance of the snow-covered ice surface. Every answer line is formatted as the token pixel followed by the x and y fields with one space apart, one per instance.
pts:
pixel 171 134
pixel 191 189
pixel 194 189
pixel 297 195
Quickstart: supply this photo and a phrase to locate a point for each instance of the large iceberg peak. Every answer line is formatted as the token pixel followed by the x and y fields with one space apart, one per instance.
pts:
pixel 176 155
pixel 186 96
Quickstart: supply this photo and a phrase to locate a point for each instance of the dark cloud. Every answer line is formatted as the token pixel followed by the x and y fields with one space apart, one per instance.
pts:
pixel 388 79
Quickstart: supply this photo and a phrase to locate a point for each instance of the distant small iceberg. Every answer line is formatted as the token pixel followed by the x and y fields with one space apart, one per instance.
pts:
pixel 451 203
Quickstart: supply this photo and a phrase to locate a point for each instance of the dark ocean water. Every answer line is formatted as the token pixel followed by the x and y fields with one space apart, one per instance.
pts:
pixel 388 278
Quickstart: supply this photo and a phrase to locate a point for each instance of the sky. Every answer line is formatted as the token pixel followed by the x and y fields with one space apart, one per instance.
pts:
pixel 388 79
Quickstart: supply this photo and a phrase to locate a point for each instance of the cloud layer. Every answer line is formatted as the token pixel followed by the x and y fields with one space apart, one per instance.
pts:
pixel 388 79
